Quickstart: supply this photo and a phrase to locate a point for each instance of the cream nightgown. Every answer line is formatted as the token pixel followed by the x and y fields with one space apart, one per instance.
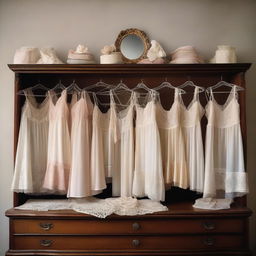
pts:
pixel 224 160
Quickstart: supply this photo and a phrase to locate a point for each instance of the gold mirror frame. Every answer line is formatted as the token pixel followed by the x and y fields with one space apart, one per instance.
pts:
pixel 133 31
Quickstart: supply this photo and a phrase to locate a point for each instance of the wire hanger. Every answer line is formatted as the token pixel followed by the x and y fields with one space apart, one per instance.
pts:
pixel 58 86
pixel 73 87
pixel 38 86
pixel 223 83
pixel 167 84
pixel 119 89
pixel 99 84
pixel 189 82
pixel 141 85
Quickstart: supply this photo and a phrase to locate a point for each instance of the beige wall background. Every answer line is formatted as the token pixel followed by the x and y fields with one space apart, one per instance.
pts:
pixel 65 23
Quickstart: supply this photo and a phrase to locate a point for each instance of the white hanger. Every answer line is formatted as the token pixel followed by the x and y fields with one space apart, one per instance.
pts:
pixel 119 89
pixel 98 85
pixel 73 87
pixel 141 85
pixel 35 87
pixel 223 83
pixel 166 84
pixel 58 86
pixel 191 83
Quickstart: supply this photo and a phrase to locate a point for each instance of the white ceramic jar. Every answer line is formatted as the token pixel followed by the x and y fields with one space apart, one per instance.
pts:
pixel 225 54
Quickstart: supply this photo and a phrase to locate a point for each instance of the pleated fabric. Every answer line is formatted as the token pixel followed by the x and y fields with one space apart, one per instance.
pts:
pixel 124 145
pixel 31 154
pixel 148 172
pixel 175 168
pixel 103 164
pixel 59 148
pixel 225 175
pixel 191 126
pixel 81 133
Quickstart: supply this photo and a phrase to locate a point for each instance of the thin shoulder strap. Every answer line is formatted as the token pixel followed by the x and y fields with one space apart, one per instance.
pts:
pixel 83 94
pixel 74 98
pixel 196 94
pixel 209 94
pixel 177 94
pixel 133 99
pixel 27 96
pixel 235 93
pixel 64 96
pixel 112 99
pixel 95 99
pixel 153 95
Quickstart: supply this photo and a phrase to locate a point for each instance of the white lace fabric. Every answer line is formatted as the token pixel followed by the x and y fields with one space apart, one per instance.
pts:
pixel 31 156
pixel 225 174
pixel 100 208
pixel 213 203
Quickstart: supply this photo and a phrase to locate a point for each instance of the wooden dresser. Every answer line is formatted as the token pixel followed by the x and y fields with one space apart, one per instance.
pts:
pixel 182 230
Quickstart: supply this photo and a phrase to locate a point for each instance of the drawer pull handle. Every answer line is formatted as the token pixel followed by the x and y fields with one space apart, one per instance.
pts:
pixel 46 243
pixel 135 226
pixel 209 241
pixel 209 225
pixel 135 242
pixel 46 226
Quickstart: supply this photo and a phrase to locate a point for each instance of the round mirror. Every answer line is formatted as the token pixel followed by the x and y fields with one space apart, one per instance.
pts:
pixel 133 45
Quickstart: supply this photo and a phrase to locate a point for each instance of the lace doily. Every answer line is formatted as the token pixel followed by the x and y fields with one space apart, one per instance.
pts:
pixel 213 203
pixel 100 208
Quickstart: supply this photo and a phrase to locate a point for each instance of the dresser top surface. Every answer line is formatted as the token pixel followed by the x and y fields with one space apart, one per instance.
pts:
pixel 177 210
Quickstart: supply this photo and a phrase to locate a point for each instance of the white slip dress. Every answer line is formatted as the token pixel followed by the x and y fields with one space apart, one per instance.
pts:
pixel 31 155
pixel 191 125
pixel 124 154
pixel 172 144
pixel 59 148
pixel 225 175
pixel 81 132
pixel 148 171
pixel 103 164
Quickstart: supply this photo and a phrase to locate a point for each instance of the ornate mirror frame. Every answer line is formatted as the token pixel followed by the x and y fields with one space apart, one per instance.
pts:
pixel 137 32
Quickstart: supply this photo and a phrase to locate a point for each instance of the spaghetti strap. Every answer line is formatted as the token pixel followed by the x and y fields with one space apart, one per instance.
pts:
pixel 196 94
pixel 211 94
pixel 112 99
pixel 95 99
pixel 235 94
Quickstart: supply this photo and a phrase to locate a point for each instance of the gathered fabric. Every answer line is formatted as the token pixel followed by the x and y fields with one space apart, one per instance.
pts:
pixel 225 175
pixel 59 149
pixel 139 147
pixel 148 172
pixel 191 128
pixel 32 148
pixel 175 169
pixel 81 133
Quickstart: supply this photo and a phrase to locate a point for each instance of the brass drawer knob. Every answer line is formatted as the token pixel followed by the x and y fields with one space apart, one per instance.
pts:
pixel 135 242
pixel 209 225
pixel 209 241
pixel 46 226
pixel 135 226
pixel 46 243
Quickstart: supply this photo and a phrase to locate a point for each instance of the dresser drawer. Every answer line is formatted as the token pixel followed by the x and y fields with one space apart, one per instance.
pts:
pixel 104 227
pixel 98 243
